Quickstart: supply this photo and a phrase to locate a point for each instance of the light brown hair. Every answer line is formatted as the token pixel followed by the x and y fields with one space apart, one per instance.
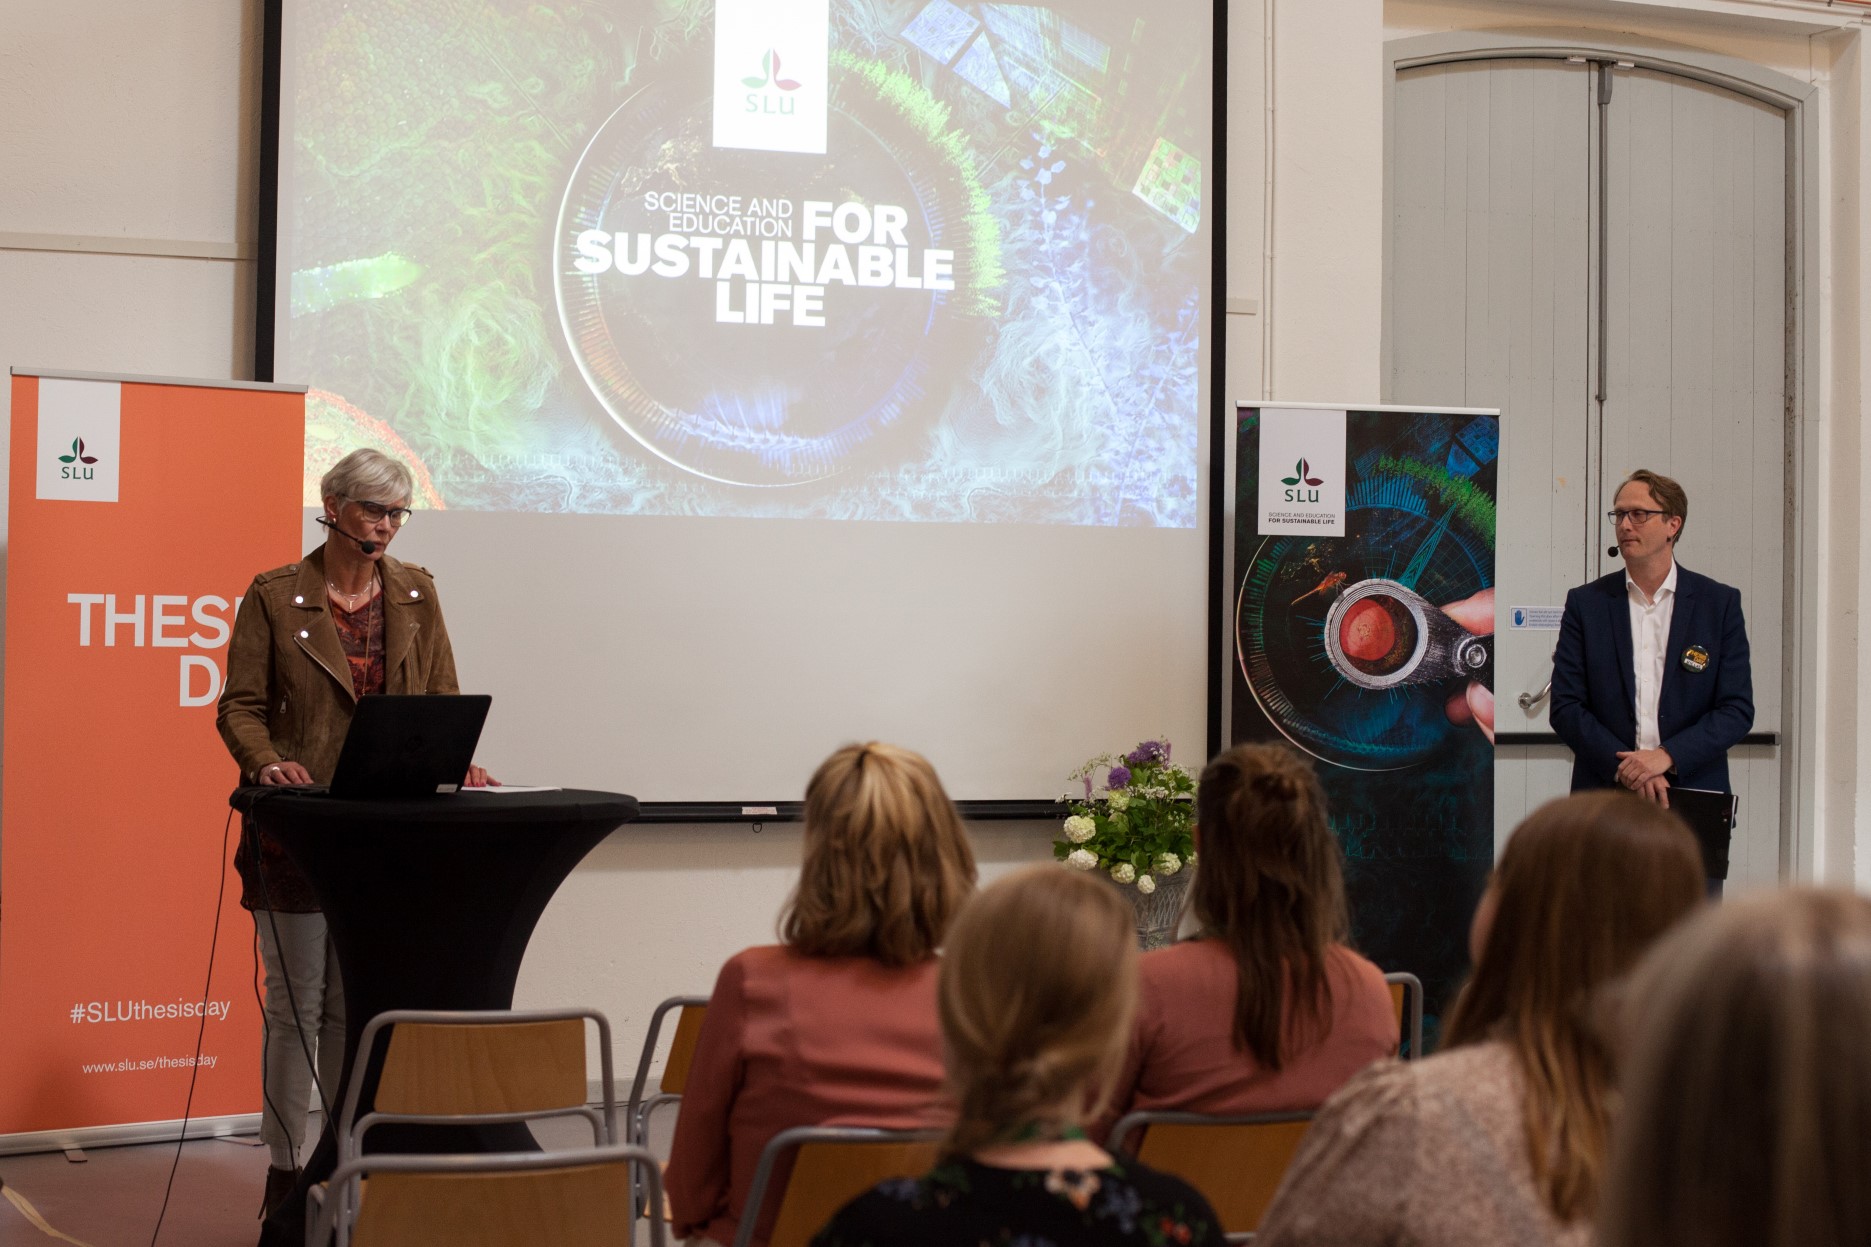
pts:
pixel 1585 885
pixel 887 863
pixel 1271 887
pixel 1747 1093
pixel 1671 497
pixel 1038 987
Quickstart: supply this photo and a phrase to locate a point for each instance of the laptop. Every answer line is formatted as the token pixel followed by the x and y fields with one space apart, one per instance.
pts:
pixel 409 745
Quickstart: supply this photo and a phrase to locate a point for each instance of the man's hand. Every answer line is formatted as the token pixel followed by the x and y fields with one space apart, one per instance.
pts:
pixel 1637 767
pixel 1656 789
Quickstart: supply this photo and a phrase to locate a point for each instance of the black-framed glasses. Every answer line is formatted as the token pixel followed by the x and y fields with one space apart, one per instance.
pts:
pixel 1638 516
pixel 398 516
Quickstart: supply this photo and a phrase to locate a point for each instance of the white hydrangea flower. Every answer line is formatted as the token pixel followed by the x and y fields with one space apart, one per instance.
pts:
pixel 1191 860
pixel 1124 872
pixel 1119 801
pixel 1082 859
pixel 1079 829
pixel 1147 884
pixel 1167 863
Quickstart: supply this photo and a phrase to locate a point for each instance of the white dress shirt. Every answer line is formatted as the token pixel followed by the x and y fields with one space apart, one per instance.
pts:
pixel 1650 638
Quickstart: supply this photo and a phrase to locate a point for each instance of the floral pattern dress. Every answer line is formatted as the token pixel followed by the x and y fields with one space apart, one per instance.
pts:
pixel 963 1203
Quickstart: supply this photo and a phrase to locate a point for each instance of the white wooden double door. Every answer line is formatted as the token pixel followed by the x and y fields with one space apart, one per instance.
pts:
pixel 1601 251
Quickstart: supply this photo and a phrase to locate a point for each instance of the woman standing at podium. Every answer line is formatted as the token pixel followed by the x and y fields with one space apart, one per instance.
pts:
pixel 310 639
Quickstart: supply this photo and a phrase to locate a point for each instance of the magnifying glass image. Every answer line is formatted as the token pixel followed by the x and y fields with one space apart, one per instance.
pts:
pixel 1380 634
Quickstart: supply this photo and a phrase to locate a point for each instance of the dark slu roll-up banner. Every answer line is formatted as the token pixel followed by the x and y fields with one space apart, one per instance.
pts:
pixel 1363 629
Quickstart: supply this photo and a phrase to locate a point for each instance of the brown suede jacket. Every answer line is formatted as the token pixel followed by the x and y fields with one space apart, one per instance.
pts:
pixel 288 694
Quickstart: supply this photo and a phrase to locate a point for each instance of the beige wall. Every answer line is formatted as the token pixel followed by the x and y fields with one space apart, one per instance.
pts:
pixel 132 122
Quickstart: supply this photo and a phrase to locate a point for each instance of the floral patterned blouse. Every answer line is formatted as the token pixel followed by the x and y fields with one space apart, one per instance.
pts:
pixel 963 1203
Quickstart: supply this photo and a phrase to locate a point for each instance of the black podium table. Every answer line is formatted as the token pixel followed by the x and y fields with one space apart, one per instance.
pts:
pixel 430 903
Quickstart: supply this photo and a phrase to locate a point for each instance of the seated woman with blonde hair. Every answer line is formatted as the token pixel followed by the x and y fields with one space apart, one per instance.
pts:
pixel 1038 983
pixel 1501 1136
pixel 1267 1010
pixel 837 1024
pixel 1747 1092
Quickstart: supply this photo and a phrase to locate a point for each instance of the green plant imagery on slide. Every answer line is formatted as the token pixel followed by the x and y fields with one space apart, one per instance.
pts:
pixel 1138 825
pixel 431 150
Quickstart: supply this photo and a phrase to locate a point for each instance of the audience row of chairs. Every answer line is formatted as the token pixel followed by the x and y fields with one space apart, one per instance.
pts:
pixel 487 1068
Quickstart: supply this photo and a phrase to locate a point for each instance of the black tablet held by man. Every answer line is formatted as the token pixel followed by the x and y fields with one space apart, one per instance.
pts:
pixel 409 745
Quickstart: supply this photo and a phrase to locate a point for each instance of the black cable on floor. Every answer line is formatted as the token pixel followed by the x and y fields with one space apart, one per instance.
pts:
pixel 201 1031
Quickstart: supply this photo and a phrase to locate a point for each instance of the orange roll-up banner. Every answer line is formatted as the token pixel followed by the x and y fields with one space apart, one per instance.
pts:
pixel 139 512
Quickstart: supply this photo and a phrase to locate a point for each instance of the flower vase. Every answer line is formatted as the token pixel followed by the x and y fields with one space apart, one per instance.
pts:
pixel 1159 913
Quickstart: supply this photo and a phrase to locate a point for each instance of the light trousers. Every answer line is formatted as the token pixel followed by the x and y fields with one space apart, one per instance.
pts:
pixel 302 1027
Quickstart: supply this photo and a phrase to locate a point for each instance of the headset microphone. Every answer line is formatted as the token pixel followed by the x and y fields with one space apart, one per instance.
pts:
pixel 1610 551
pixel 368 547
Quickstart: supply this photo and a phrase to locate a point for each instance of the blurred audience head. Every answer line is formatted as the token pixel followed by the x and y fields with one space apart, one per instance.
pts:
pixel 1746 1080
pixel 887 863
pixel 1270 887
pixel 1586 884
pixel 1038 985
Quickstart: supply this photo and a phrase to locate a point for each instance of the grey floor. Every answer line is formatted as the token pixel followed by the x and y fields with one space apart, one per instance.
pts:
pixel 111 1200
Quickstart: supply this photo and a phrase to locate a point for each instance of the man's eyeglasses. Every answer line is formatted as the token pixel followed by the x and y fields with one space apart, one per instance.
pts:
pixel 398 516
pixel 1638 516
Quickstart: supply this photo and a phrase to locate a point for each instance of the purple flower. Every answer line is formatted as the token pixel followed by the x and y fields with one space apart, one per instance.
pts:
pixel 1119 776
pixel 1088 788
pixel 1149 751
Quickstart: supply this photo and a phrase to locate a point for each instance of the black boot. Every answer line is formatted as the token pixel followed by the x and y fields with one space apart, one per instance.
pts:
pixel 279 1184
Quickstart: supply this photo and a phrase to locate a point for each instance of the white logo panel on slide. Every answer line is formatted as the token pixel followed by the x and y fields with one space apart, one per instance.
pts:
pixel 772 59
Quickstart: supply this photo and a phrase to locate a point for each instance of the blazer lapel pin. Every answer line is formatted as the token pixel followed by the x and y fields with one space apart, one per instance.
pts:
pixel 1695 659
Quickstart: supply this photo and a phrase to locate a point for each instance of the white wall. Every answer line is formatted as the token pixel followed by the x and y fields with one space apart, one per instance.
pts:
pixel 129 127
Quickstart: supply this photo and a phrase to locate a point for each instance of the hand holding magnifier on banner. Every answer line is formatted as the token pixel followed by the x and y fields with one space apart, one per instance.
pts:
pixel 1381 634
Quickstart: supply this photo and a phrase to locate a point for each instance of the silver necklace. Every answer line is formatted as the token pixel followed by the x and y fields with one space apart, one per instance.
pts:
pixel 351 597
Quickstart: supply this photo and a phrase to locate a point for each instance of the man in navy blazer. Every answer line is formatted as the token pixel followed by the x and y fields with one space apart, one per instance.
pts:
pixel 1651 686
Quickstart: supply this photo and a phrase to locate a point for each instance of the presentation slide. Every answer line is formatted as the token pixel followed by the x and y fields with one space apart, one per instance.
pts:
pixel 774 373
pixel 774 258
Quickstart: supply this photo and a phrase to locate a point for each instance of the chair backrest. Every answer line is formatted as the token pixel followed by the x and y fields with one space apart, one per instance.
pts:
pixel 481 1063
pixel 1236 1162
pixel 675 1078
pixel 569 1199
pixel 1406 993
pixel 832 1165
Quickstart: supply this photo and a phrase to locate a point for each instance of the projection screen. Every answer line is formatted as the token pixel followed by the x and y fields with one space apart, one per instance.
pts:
pixel 774 373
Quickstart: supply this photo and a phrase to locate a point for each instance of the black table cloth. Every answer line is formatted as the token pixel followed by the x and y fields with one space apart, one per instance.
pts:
pixel 430 903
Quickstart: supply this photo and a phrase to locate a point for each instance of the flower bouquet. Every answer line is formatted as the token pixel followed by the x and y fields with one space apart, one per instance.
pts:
pixel 1137 826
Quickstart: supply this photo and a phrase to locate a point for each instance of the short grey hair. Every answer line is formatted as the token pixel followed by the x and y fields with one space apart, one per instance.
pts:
pixel 368 475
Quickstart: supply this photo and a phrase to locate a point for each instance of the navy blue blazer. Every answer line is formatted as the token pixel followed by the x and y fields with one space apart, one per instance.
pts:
pixel 1701 715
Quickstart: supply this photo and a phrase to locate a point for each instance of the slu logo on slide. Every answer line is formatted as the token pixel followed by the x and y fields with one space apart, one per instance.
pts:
pixel 776 109
pixel 765 101
pixel 77 463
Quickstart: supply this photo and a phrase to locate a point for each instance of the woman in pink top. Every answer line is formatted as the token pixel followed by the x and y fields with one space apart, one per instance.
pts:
pixel 837 1025
pixel 1267 1010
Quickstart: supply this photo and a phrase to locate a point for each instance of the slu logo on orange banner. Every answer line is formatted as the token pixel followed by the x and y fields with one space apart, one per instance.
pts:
pixel 77 456
pixel 84 418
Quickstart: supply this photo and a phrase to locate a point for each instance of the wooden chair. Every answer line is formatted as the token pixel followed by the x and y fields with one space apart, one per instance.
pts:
pixel 503 1199
pixel 832 1165
pixel 1406 992
pixel 481 1067
pixel 637 1110
pixel 1236 1162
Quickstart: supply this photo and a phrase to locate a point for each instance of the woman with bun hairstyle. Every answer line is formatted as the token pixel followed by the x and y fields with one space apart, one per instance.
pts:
pixel 1266 1010
pixel 1038 983
pixel 1501 1136
pixel 1746 1113
pixel 836 1025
